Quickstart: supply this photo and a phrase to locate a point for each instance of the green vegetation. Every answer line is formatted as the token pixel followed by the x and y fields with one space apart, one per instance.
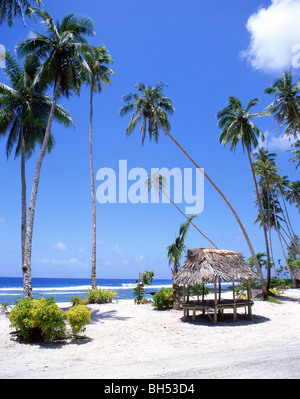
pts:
pixel 100 296
pixel 139 291
pixel 163 299
pixel 42 320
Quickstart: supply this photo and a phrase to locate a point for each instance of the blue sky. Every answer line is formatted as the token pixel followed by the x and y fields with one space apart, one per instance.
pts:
pixel 205 52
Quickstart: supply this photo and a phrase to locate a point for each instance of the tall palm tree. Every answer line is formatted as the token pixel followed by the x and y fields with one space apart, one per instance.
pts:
pixel 60 50
pixel 266 168
pixel 24 110
pixel 150 108
pixel 270 213
pixel 286 107
pixel 293 193
pixel 98 73
pixel 237 126
pixel 296 152
pixel 159 183
pixel 175 253
pixel 9 9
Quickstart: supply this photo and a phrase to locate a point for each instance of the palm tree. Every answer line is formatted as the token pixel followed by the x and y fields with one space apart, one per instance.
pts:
pixel 270 213
pixel 286 107
pixel 24 110
pixel 60 51
pixel 9 9
pixel 293 193
pixel 150 107
pixel 158 182
pixel 296 152
pixel 266 168
pixel 175 253
pixel 98 73
pixel 237 126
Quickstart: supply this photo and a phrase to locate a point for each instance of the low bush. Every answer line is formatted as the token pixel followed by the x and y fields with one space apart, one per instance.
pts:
pixel 163 299
pixel 42 320
pixel 76 300
pixel 38 320
pixel 78 317
pixel 99 296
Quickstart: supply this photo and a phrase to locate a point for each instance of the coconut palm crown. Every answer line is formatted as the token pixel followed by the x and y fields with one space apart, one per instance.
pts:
pixel 150 108
pixel 9 9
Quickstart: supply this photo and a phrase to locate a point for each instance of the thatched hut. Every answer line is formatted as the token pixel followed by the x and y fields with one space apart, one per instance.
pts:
pixel 297 279
pixel 206 265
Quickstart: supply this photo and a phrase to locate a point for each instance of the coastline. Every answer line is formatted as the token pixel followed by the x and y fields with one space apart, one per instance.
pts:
pixel 134 342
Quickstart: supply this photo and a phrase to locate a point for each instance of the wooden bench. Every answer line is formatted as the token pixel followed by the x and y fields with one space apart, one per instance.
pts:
pixel 218 307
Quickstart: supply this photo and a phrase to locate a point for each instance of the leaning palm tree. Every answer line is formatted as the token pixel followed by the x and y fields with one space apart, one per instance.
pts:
pixel 60 50
pixel 151 108
pixel 159 183
pixel 286 107
pixel 237 126
pixel 296 152
pixel 24 110
pixel 175 253
pixel 98 73
pixel 9 9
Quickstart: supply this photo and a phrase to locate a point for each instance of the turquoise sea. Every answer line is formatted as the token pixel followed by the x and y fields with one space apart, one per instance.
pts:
pixel 11 288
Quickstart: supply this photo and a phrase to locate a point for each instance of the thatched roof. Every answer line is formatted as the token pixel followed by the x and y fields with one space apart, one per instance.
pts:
pixel 297 276
pixel 203 265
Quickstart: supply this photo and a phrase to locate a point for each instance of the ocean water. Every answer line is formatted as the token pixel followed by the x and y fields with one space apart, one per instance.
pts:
pixel 11 288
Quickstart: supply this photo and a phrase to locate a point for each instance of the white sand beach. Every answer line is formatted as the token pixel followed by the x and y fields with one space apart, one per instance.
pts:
pixel 129 341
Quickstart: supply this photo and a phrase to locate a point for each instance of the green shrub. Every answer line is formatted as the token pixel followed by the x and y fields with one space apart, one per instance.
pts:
pixel 197 290
pixel 278 282
pixel 76 300
pixel 99 296
pixel 78 317
pixel 42 320
pixel 38 320
pixel 139 291
pixel 163 299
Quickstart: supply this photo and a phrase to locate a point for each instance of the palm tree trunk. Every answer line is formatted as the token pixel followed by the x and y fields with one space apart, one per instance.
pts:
pixel 94 233
pixel 169 199
pixel 289 225
pixel 270 236
pixel 24 205
pixel 263 221
pixel 258 268
pixel 279 236
pixel 176 289
pixel 31 211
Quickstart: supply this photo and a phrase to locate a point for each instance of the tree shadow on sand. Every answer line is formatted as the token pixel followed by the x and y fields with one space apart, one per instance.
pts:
pixel 98 316
pixel 226 320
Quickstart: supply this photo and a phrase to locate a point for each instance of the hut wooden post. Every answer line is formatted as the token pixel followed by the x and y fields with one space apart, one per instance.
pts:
pixel 216 302
pixel 203 298
pixel 184 301
pixel 220 310
pixel 234 301
pixel 249 299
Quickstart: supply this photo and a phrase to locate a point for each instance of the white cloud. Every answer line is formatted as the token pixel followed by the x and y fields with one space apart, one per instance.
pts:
pixel 2 220
pixel 60 246
pixel 139 258
pixel 117 249
pixel 276 143
pixel 275 31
